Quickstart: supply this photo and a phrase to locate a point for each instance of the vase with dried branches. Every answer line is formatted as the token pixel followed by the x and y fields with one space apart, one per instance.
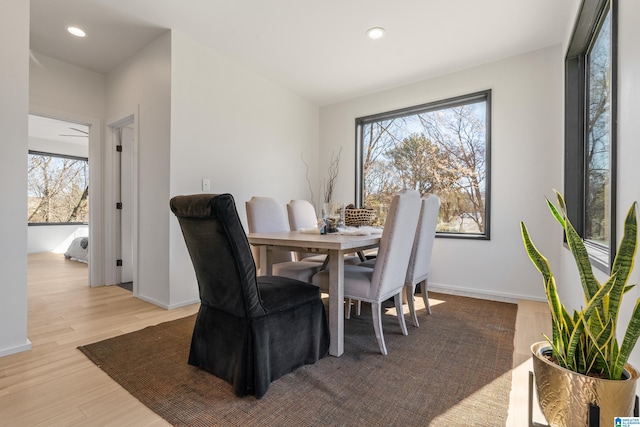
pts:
pixel 332 212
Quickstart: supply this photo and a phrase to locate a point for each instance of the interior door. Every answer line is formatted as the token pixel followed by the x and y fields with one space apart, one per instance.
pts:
pixel 125 190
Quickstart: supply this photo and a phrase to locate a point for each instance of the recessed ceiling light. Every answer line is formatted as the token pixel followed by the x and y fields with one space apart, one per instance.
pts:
pixel 375 33
pixel 76 31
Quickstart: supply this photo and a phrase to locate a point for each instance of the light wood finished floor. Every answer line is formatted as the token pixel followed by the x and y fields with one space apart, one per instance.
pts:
pixel 54 384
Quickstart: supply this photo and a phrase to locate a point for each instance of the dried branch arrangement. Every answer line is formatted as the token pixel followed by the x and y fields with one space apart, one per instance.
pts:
pixel 330 183
pixel 306 176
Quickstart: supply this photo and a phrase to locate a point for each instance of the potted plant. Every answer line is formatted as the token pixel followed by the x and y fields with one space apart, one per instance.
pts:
pixel 582 364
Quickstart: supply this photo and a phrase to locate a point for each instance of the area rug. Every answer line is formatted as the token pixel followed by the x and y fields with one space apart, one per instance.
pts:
pixel 452 370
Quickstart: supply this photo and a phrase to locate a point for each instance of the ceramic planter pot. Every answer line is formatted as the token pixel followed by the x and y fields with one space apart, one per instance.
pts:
pixel 565 396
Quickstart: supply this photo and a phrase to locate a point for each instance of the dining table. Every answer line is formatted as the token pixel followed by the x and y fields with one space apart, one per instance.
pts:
pixel 335 245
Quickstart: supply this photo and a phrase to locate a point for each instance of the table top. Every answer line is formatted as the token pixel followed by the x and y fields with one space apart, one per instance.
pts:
pixel 298 240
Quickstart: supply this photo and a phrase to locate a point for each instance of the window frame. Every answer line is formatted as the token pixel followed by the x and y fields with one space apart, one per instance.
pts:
pixel 63 156
pixel 480 96
pixel 588 24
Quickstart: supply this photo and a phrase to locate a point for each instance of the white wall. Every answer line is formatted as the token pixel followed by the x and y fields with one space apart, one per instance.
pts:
pixel 53 238
pixel 58 147
pixel 628 170
pixel 14 109
pixel 526 164
pixel 628 134
pixel 63 87
pixel 240 131
pixel 142 85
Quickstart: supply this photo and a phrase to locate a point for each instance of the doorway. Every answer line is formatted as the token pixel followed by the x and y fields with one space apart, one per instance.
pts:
pixel 124 138
pixel 66 142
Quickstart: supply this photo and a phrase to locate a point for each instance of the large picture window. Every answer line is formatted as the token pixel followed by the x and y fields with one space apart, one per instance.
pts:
pixel 598 137
pixel 58 189
pixel 439 148
pixel 590 132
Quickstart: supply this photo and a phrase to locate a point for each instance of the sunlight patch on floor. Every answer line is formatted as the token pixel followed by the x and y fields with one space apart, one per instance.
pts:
pixel 519 398
pixel 419 304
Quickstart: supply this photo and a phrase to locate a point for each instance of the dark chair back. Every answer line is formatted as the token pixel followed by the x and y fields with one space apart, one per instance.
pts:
pixel 220 252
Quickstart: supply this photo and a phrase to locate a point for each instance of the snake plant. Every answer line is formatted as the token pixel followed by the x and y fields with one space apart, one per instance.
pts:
pixel 586 342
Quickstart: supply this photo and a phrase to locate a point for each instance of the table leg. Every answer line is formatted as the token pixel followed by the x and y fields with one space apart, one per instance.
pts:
pixel 336 302
pixel 265 261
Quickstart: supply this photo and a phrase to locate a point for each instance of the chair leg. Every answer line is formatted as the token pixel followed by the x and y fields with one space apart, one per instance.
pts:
pixel 358 304
pixel 399 310
pixel 410 290
pixel 376 313
pixel 425 296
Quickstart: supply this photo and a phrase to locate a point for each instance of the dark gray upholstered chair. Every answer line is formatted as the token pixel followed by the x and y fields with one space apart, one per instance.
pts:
pixel 249 331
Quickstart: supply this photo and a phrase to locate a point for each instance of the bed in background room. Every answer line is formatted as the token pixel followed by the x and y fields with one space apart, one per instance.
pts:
pixel 78 250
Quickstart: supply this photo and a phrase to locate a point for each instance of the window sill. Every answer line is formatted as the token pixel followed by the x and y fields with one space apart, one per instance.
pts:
pixel 468 236
pixel 38 224
pixel 599 258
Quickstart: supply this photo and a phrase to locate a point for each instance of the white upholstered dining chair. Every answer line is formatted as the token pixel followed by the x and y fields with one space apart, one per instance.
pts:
pixel 302 215
pixel 267 215
pixel 420 260
pixel 386 279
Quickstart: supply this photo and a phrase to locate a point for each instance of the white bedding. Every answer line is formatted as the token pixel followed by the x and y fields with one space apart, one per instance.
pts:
pixel 78 250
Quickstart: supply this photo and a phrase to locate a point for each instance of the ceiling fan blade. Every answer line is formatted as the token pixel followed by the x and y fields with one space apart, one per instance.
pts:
pixel 79 130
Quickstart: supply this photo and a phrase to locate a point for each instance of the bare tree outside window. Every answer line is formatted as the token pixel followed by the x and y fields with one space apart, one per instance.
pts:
pixel 441 149
pixel 58 189
pixel 597 182
pixel 590 132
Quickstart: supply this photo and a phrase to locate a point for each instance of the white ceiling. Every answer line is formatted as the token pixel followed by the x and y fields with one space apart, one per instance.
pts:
pixel 58 130
pixel 317 49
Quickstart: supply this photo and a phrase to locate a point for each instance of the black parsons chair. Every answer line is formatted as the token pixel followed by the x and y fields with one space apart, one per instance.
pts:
pixel 250 330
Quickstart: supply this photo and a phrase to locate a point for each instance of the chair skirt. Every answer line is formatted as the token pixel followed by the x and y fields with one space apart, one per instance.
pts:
pixel 269 348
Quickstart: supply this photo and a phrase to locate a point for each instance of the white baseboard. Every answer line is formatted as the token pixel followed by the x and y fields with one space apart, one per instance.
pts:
pixel 152 301
pixel 16 349
pixel 481 294
pixel 184 303
pixel 167 306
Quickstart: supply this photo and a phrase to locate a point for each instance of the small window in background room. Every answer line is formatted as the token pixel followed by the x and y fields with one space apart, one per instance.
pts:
pixel 438 148
pixel 590 136
pixel 58 189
